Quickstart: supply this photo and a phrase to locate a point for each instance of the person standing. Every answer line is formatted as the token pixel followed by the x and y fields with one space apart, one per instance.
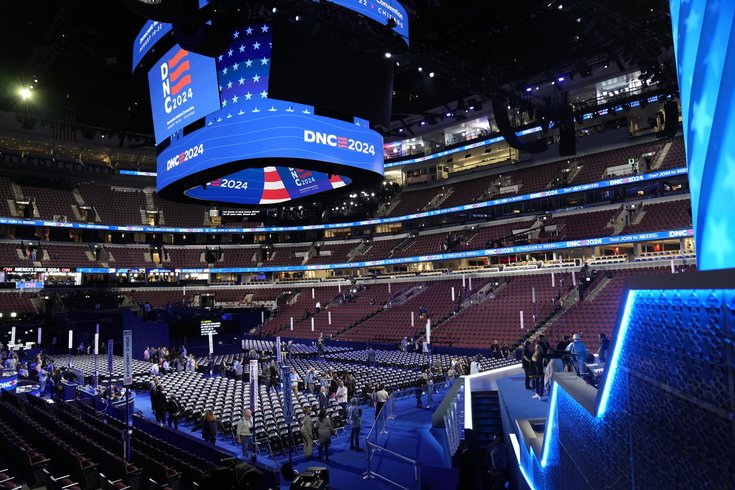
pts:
pixel 324 431
pixel 322 398
pixel 537 370
pixel 237 369
pixel 158 403
pixel 604 349
pixel 475 365
pixel 42 378
pixel 272 377
pixel 526 363
pixel 420 383
pixel 209 427
pixel 244 432
pixel 380 398
pixel 307 433
pixel 310 379
pixel 355 419
pixel 341 394
pixel 295 380
pixel 578 352
pixel 173 408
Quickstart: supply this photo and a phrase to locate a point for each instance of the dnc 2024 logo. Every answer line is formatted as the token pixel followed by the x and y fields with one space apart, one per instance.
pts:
pixel 176 81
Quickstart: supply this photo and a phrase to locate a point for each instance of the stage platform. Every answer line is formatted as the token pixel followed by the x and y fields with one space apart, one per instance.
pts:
pixel 520 412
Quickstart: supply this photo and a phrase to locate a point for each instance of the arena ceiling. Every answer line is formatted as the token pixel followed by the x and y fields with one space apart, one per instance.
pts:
pixel 79 51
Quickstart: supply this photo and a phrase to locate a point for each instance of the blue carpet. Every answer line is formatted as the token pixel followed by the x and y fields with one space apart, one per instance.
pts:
pixel 410 434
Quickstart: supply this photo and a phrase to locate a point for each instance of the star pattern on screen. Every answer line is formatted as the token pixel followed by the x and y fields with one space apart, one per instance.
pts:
pixel 243 71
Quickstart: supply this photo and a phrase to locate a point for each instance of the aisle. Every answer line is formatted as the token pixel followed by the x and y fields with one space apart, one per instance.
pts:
pixel 410 435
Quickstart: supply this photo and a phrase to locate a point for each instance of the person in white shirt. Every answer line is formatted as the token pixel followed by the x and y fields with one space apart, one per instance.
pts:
pixel 244 432
pixel 295 382
pixel 154 369
pixel 342 396
pixel 474 366
pixel 165 366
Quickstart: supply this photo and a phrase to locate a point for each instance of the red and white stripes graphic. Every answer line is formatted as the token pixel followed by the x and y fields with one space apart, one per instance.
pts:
pixel 274 191
pixel 336 181
pixel 178 81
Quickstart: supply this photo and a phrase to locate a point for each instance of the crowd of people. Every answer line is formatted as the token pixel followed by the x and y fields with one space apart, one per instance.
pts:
pixel 540 360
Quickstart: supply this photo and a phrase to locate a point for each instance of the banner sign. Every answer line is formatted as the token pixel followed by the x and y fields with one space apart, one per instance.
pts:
pixel 29 285
pixel 287 394
pixel 253 386
pixel 127 357
pixel 110 349
pixel 380 11
pixel 183 88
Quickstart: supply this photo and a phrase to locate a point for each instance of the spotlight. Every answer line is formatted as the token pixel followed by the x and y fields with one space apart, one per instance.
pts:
pixel 420 69
pixel 25 93
pixel 298 18
pixel 387 54
pixel 13 315
pixel 528 89
pixel 560 7
pixel 561 79
pixel 275 10
pixel 431 74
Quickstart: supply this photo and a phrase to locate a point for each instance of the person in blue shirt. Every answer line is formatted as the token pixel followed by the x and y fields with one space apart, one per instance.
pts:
pixel 579 353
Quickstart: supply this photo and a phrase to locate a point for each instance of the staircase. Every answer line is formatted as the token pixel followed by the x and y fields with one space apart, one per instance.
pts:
pixel 573 172
pixel 437 200
pixel 389 209
pixel 661 156
pixel 619 222
pixel 486 422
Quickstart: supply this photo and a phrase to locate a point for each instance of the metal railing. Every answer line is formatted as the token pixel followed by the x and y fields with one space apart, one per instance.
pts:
pixel 380 427
pixel 454 422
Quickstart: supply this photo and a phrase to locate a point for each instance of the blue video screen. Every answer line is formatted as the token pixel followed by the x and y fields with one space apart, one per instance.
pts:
pixel 269 185
pixel 183 88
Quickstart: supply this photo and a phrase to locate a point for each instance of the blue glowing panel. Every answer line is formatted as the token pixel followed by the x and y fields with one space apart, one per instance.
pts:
pixel 183 88
pixel 380 11
pixel 704 45
pixel 152 32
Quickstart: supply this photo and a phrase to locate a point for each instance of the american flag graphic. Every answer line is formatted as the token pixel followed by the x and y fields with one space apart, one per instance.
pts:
pixel 243 72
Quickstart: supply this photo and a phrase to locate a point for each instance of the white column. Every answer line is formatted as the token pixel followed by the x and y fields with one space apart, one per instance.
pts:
pixel 97 340
pixel 521 312
pixel 329 317
pixel 312 324
pixel 463 280
pixel 312 293
pixel 428 331
pixel 38 343
pixel 452 293
pixel 12 336
pixel 574 278
pixel 533 294
pixel 413 323
pixel 291 323
pixel 71 337
pixel 553 280
pixel 470 279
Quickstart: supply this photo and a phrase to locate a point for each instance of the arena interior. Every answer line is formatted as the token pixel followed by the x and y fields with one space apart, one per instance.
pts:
pixel 367 244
